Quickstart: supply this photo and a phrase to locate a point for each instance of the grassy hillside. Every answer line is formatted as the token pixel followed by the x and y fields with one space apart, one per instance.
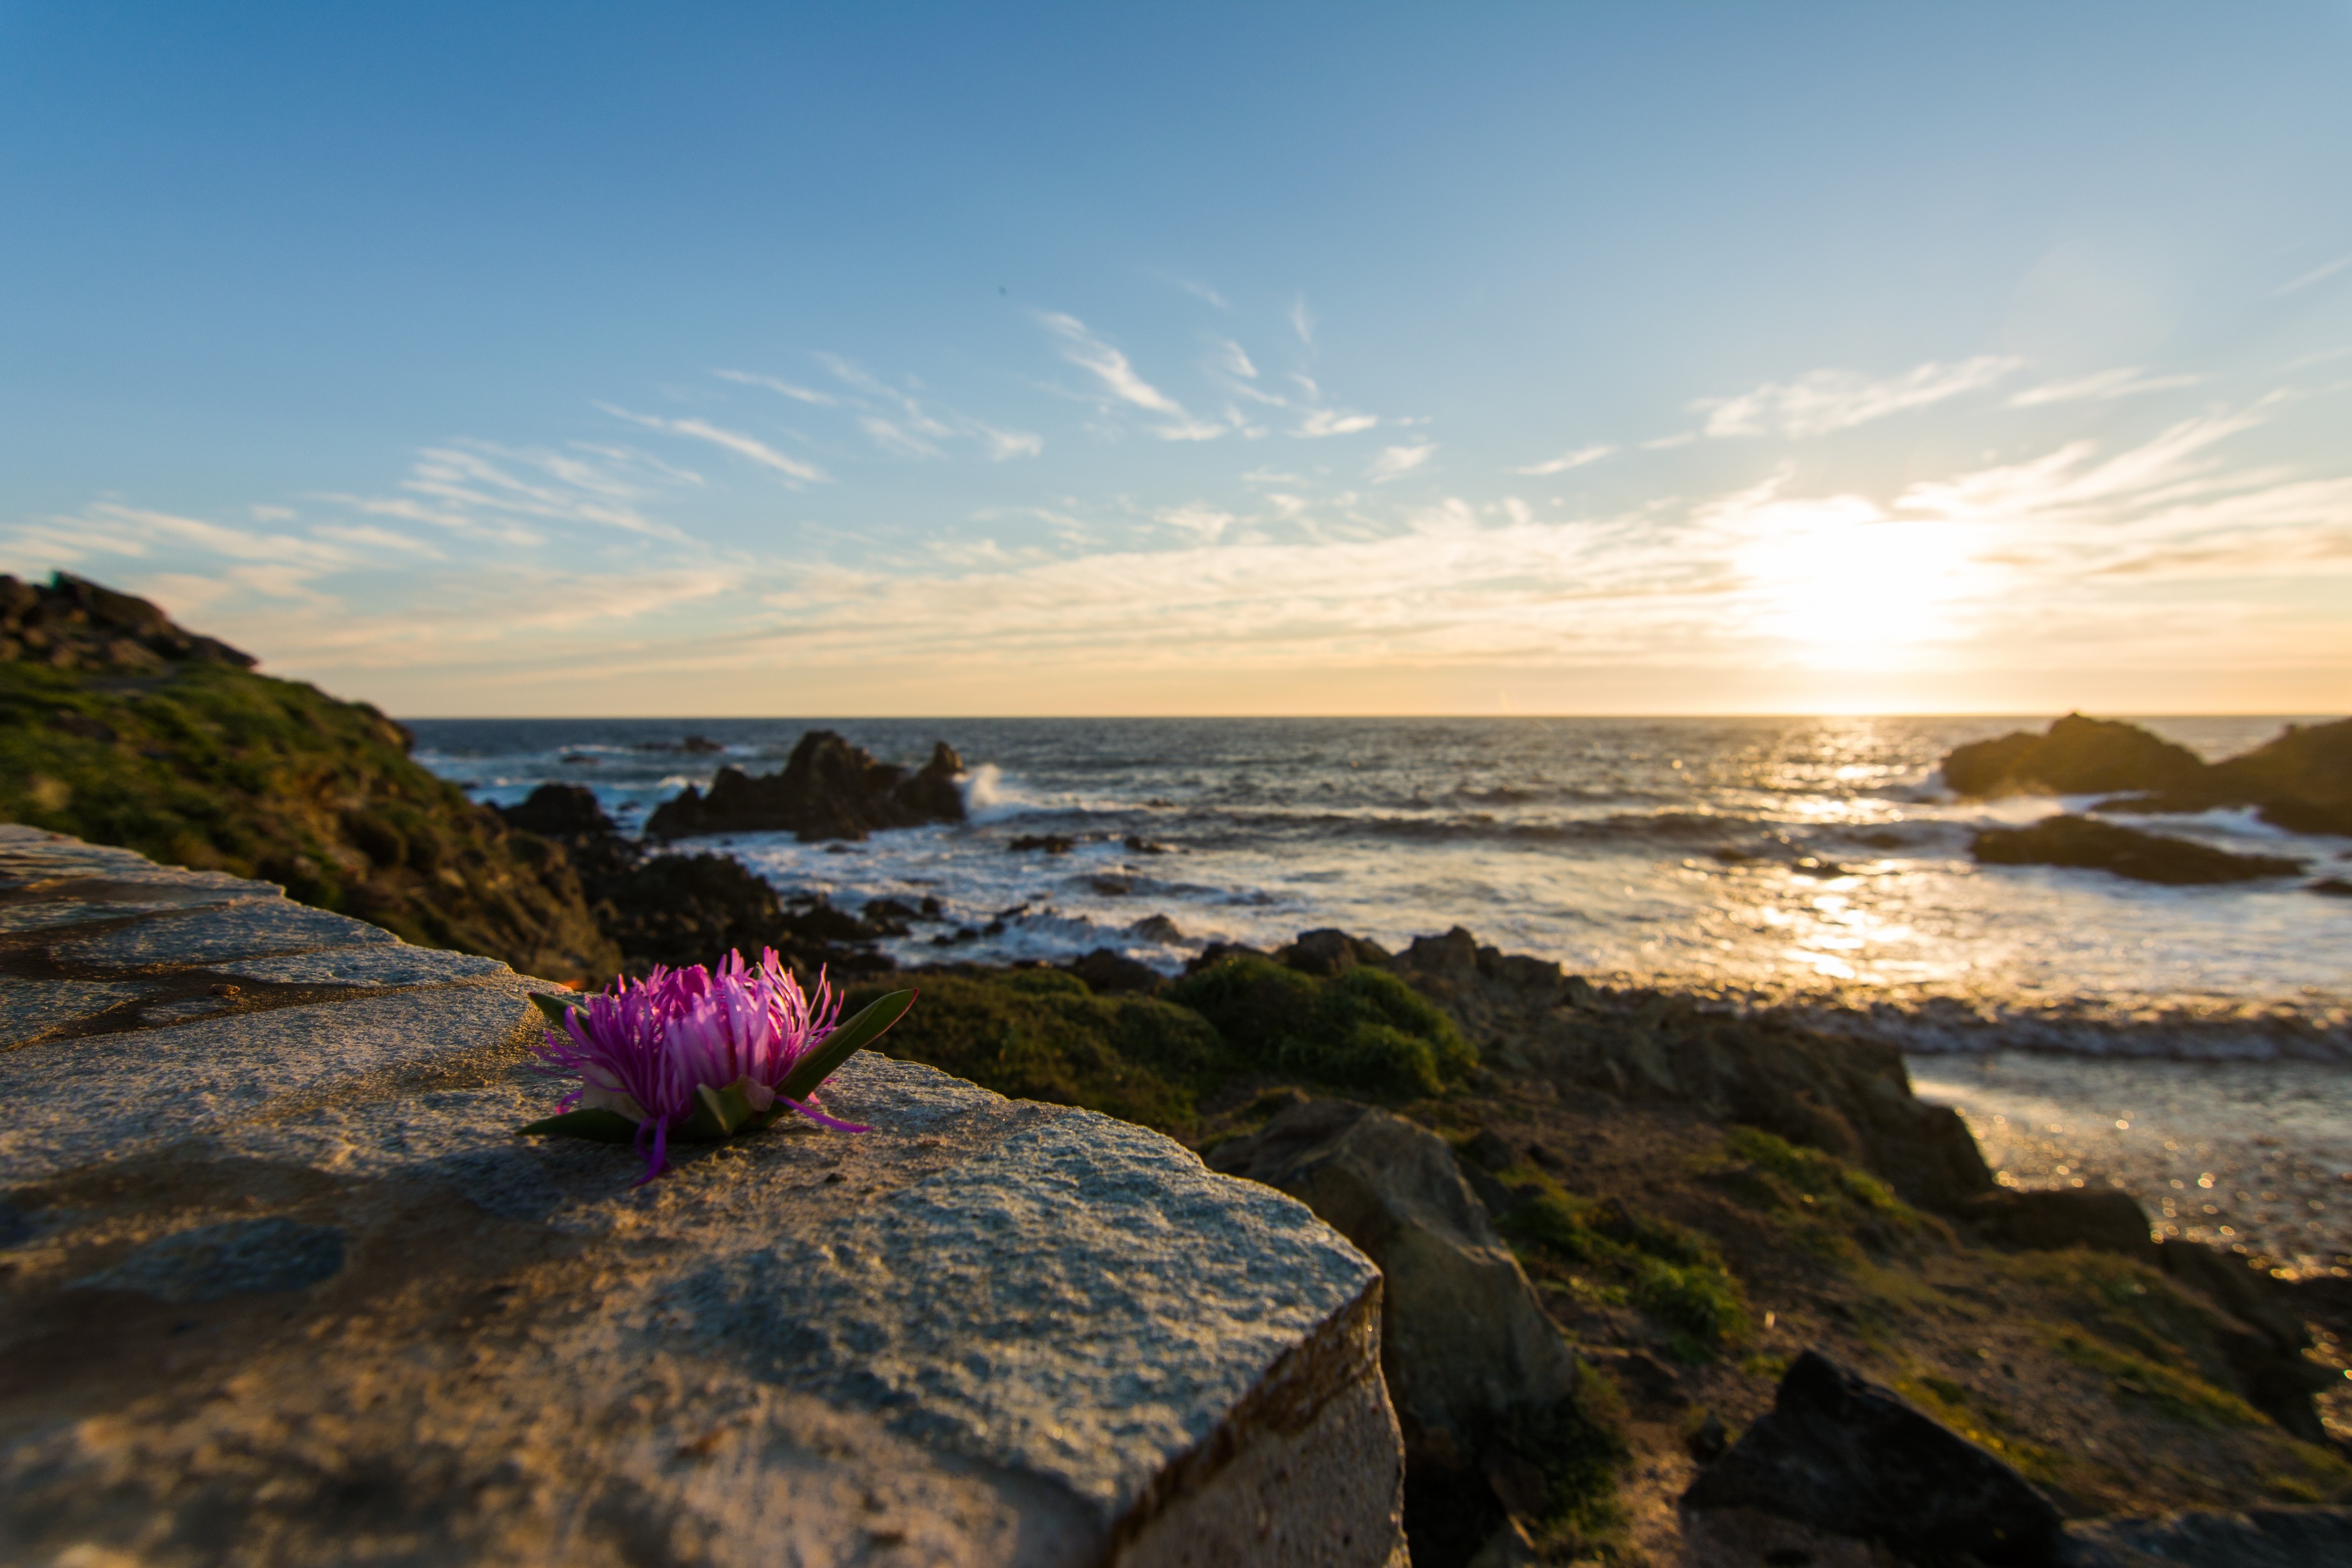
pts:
pixel 118 728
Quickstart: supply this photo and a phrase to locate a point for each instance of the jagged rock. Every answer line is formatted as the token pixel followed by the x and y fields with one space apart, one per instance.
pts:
pixel 2078 841
pixel 2301 780
pixel 2257 1538
pixel 286 1285
pixel 828 789
pixel 2050 1221
pixel 1463 1340
pixel 73 624
pixel 1843 1456
pixel 2075 756
pixel 1849 1097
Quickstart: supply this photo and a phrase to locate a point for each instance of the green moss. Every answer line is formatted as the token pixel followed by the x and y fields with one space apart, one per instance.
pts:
pixel 1672 1275
pixel 1363 1029
pixel 221 768
pixel 2181 1395
pixel 1042 1035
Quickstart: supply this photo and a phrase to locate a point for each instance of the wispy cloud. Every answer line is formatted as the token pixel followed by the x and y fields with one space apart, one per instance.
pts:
pixel 749 448
pixel 1302 321
pixel 1395 462
pixel 1334 422
pixel 2319 274
pixel 1832 400
pixel 1567 460
pixel 2104 387
pixel 1234 361
pixel 1121 382
pixel 790 389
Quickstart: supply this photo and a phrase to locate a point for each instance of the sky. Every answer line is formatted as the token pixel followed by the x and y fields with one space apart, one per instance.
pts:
pixel 716 360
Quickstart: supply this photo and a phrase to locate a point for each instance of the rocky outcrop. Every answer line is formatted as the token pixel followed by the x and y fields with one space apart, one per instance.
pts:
pixel 2074 757
pixel 119 728
pixel 1844 1457
pixel 828 789
pixel 73 623
pixel 678 910
pixel 1850 1097
pixel 2078 841
pixel 2301 780
pixel 284 1283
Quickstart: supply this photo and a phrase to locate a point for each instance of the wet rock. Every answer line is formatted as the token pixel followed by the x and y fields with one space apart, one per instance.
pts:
pixel 2078 841
pixel 828 789
pixel 2075 756
pixel 2332 887
pixel 1139 845
pixel 1155 928
pixel 2257 1538
pixel 2052 1221
pixel 1463 1340
pixel 1847 1457
pixel 1051 843
pixel 2301 781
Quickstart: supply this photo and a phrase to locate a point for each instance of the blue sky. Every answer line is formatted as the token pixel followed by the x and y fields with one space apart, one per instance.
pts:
pixel 710 360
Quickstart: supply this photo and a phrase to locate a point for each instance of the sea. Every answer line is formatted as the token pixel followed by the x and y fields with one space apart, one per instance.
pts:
pixel 2192 1045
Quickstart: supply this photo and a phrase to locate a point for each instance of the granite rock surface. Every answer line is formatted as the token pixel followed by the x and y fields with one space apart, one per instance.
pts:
pixel 283 1284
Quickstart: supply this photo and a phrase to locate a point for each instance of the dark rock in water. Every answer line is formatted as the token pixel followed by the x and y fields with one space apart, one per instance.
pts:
pixel 2075 756
pixel 2078 841
pixel 699 746
pixel 1462 1338
pixel 2257 1538
pixel 1106 971
pixel 2052 1221
pixel 2333 886
pixel 1155 928
pixel 2301 780
pixel 214 1262
pixel 560 811
pixel 1139 845
pixel 828 789
pixel 1051 843
pixel 1844 1455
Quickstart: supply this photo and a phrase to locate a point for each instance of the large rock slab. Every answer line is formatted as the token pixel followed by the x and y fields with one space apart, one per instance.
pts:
pixel 283 1284
pixel 1465 1341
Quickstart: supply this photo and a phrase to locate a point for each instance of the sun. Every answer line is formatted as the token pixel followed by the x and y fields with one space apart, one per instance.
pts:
pixel 1848 584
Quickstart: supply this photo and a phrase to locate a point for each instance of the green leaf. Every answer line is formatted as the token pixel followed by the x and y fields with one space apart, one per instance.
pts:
pixel 558 1008
pixel 599 1126
pixel 850 1037
pixel 719 1114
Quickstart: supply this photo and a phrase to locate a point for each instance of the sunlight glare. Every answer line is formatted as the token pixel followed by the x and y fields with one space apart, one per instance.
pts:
pixel 1848 584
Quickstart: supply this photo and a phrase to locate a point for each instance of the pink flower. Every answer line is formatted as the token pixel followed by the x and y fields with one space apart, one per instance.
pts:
pixel 688 1045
